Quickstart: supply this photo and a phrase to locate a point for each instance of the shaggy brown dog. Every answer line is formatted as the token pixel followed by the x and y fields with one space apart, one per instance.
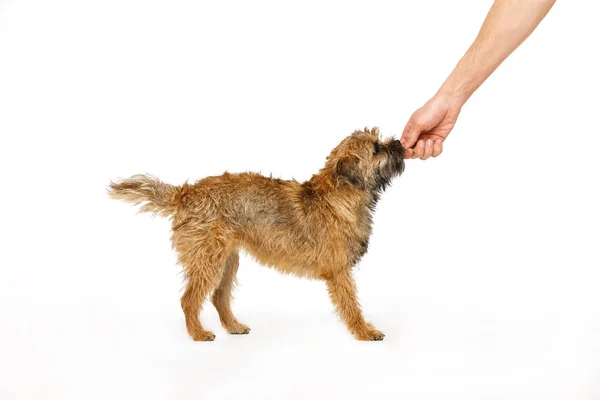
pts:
pixel 317 229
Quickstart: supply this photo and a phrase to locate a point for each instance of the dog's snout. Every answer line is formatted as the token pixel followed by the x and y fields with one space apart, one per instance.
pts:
pixel 396 148
pixel 395 145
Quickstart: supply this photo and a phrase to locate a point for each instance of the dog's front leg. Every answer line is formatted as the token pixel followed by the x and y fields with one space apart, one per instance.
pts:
pixel 342 291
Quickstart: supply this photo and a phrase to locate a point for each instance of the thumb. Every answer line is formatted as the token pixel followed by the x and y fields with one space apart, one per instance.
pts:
pixel 411 132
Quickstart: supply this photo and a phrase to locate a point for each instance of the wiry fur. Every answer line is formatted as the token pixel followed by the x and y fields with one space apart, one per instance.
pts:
pixel 317 229
pixel 158 197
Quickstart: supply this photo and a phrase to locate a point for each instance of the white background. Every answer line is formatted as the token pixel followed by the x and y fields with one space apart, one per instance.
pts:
pixel 483 269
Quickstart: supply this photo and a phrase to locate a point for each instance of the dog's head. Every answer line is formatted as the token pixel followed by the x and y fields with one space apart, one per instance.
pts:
pixel 365 161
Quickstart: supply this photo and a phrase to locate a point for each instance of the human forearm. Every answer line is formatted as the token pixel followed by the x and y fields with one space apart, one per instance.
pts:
pixel 507 25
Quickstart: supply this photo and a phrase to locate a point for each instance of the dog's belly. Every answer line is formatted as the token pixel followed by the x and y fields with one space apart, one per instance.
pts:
pixel 301 259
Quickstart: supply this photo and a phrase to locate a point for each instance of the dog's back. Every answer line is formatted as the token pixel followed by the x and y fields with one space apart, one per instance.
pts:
pixel 263 215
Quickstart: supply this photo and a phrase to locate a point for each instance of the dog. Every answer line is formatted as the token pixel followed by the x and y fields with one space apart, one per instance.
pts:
pixel 317 229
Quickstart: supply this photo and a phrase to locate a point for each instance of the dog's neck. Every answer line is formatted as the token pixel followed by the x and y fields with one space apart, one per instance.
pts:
pixel 354 203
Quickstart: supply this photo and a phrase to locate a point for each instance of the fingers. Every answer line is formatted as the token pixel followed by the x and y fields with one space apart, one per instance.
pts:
pixel 418 150
pixel 425 149
pixel 428 150
pixel 437 148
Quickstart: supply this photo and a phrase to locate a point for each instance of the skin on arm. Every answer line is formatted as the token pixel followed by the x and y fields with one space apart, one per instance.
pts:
pixel 507 25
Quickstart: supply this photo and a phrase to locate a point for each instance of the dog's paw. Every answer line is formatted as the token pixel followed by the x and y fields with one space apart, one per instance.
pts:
pixel 370 335
pixel 203 336
pixel 238 329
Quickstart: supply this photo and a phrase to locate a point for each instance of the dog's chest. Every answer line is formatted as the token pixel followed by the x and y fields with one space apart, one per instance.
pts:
pixel 361 246
pixel 358 237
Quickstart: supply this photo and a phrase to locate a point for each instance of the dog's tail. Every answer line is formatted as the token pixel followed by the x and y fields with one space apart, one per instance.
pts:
pixel 157 197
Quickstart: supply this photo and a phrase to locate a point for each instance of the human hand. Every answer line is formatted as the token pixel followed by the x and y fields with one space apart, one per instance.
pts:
pixel 429 126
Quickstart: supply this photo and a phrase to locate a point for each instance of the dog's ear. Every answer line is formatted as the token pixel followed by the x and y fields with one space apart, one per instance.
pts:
pixel 347 171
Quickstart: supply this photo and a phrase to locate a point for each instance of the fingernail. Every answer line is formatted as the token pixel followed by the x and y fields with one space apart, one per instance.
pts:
pixel 429 142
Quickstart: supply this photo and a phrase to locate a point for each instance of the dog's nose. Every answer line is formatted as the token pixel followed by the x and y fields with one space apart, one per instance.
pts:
pixel 396 143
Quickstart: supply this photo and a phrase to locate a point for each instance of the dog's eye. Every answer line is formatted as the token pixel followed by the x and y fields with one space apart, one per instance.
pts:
pixel 376 148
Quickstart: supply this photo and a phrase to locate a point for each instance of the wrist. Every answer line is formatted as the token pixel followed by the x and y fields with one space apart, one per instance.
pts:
pixel 453 96
pixel 463 81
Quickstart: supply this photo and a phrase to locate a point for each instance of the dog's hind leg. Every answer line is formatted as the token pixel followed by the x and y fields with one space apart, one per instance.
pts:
pixel 222 296
pixel 203 261
pixel 342 291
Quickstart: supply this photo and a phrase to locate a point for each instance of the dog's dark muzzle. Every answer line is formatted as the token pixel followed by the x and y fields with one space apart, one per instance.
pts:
pixel 396 148
pixel 396 156
pixel 396 153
